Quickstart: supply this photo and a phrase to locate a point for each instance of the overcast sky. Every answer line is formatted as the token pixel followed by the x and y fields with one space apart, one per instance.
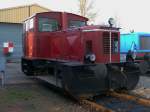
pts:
pixel 130 14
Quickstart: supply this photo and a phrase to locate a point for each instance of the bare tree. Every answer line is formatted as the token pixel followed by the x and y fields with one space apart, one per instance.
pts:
pixel 86 9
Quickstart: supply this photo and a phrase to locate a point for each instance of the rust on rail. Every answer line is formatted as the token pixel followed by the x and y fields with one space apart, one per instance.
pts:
pixel 94 106
pixel 141 101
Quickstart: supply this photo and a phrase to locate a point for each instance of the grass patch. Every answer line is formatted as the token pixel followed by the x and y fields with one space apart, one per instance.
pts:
pixel 13 95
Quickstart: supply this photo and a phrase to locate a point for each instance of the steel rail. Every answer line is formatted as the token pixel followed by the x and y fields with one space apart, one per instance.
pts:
pixel 94 107
pixel 142 101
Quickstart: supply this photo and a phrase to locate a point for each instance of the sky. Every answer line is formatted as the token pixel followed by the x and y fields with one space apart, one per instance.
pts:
pixel 128 14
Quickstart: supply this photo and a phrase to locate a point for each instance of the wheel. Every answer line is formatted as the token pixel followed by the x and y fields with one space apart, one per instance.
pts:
pixel 27 68
pixel 144 68
pixel 27 71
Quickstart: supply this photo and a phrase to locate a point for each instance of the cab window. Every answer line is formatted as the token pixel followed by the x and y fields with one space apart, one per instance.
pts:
pixel 29 25
pixel 115 45
pixel 144 43
pixel 47 25
pixel 76 23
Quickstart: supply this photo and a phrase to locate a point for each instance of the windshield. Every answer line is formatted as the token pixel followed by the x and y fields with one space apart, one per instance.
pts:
pixel 76 23
pixel 145 43
pixel 47 25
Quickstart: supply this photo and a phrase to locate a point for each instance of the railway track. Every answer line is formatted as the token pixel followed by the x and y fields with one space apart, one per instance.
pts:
pixel 92 106
pixel 117 102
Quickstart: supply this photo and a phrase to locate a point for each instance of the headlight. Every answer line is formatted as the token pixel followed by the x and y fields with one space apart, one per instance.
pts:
pixel 90 57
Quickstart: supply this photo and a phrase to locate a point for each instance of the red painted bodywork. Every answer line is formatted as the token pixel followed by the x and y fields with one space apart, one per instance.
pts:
pixel 67 43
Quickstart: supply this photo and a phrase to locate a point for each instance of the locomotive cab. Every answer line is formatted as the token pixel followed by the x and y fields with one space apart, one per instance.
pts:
pixel 44 29
pixel 84 60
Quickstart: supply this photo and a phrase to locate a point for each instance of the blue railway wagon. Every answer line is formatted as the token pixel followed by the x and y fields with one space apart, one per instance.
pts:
pixel 138 42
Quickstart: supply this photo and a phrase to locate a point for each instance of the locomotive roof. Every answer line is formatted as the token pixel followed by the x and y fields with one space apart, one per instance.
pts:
pixel 99 27
pixel 86 19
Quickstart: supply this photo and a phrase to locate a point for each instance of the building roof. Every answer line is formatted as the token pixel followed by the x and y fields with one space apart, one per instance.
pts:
pixel 20 13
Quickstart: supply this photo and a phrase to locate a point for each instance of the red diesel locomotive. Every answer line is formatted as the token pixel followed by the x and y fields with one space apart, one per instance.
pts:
pixel 83 60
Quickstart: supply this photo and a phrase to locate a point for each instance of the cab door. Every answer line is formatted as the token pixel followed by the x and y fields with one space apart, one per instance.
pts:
pixel 28 38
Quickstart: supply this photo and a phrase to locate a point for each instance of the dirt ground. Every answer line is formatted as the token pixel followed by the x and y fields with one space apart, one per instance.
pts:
pixel 34 98
pixel 22 94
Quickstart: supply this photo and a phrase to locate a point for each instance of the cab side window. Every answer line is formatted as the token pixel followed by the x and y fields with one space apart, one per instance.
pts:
pixel 115 45
pixel 47 25
pixel 76 23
